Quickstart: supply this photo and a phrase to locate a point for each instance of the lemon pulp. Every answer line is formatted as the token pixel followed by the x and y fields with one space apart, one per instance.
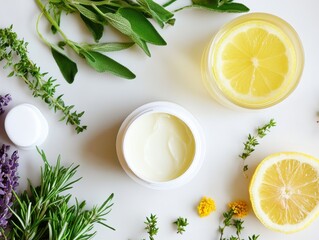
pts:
pixel 254 63
pixel 284 191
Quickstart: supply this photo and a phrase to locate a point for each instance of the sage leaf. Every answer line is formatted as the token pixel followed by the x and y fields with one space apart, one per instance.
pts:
pixel 233 7
pixel 89 14
pixel 220 6
pixel 108 47
pixel 67 67
pixel 103 63
pixel 141 26
pixel 96 29
pixel 159 13
pixel 124 26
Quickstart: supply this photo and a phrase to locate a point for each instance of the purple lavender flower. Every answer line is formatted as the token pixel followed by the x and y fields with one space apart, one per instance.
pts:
pixel 8 183
pixel 4 102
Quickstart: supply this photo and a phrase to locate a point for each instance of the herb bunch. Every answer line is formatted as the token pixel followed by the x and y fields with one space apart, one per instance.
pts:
pixel 252 142
pixel 129 18
pixel 181 223
pixel 45 213
pixel 15 53
pixel 229 221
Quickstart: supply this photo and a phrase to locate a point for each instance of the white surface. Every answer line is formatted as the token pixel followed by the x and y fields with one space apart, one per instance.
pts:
pixel 172 74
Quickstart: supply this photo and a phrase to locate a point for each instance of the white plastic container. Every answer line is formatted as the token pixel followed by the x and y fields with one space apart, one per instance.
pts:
pixel 25 126
pixel 148 158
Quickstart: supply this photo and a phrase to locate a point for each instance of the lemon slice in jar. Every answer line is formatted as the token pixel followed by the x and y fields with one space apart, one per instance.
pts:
pixel 254 63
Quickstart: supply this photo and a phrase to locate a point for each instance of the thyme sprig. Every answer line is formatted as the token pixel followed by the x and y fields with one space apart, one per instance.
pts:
pixel 45 213
pixel 252 142
pixel 151 226
pixel 14 51
pixel 228 222
pixel 181 223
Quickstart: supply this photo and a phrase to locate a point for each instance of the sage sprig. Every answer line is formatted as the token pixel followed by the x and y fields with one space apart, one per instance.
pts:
pixel 252 142
pixel 44 212
pixel 15 53
pixel 130 18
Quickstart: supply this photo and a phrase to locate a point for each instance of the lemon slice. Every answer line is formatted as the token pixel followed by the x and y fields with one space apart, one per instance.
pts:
pixel 254 63
pixel 284 191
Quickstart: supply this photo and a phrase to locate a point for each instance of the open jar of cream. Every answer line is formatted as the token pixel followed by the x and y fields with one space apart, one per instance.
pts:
pixel 160 145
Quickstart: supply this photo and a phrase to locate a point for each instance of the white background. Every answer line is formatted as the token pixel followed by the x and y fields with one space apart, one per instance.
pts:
pixel 171 74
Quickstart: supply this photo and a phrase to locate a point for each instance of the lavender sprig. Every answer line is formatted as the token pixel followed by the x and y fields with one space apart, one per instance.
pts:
pixel 4 101
pixel 8 184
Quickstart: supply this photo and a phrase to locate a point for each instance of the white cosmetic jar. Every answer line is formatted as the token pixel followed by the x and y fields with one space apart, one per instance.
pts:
pixel 26 127
pixel 174 136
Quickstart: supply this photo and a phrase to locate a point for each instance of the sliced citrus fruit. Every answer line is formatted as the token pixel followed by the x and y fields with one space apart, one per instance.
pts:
pixel 284 191
pixel 254 62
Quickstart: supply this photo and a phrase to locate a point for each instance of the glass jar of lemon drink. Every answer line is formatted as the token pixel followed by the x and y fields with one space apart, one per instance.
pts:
pixel 255 61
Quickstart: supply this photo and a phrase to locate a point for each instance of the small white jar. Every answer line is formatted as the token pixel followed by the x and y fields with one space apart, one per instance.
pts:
pixel 160 145
pixel 26 127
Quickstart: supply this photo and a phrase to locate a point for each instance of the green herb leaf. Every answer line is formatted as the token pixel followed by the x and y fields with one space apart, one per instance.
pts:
pixel 141 26
pixel 151 226
pixel 107 47
pixel 103 63
pixel 252 142
pixel 233 7
pixel 14 52
pixel 96 29
pixel 89 14
pixel 220 6
pixel 67 67
pixel 159 13
pixel 181 223
pixel 45 212
pixel 124 26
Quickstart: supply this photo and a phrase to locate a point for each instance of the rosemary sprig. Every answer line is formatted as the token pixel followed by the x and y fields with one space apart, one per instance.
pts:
pixel 181 223
pixel 252 142
pixel 151 226
pixel 46 214
pixel 15 53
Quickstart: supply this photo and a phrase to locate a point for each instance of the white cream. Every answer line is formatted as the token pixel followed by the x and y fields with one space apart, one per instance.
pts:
pixel 26 126
pixel 159 147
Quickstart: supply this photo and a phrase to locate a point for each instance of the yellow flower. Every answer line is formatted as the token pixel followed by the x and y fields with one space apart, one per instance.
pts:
pixel 206 206
pixel 240 208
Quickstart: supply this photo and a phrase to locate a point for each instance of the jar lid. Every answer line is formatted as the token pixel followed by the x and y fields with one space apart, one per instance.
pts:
pixel 25 126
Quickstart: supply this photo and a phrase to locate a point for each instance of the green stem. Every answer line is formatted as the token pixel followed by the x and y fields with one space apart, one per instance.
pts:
pixel 39 33
pixel 50 19
pixel 168 3
pixel 90 3
pixel 182 8
pixel 56 26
